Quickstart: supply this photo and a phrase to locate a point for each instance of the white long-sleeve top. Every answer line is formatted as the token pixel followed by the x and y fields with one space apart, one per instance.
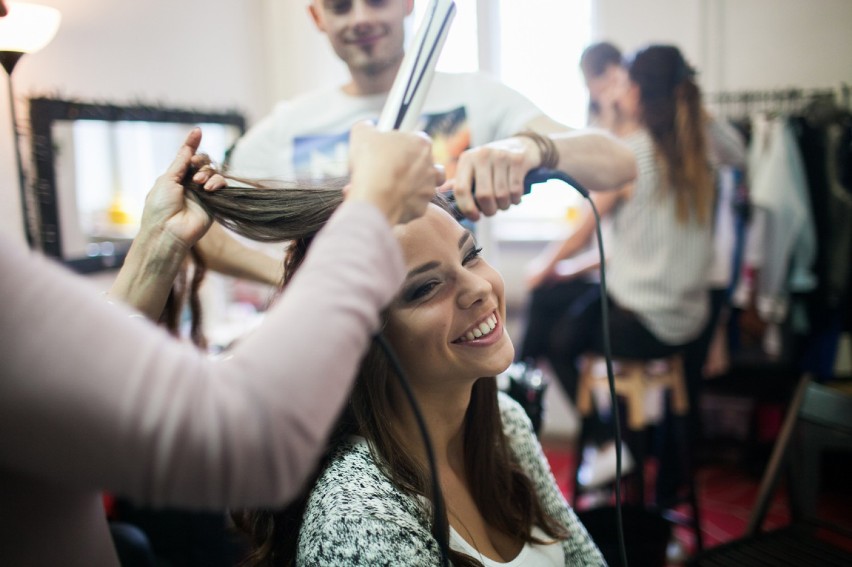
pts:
pixel 93 400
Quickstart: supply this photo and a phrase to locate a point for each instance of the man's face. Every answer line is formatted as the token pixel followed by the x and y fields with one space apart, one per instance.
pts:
pixel 366 34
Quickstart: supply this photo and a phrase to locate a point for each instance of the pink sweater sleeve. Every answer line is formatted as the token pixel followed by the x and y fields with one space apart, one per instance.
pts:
pixel 94 399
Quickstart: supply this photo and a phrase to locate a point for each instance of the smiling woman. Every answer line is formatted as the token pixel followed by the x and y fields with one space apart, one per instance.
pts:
pixel 448 319
pixel 371 500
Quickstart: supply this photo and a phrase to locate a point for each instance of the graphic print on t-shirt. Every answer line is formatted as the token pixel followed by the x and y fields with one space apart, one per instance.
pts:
pixel 321 156
pixel 450 134
pixel 325 155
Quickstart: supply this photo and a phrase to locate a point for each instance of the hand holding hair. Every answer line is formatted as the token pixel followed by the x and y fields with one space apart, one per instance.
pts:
pixel 167 212
pixel 171 225
pixel 392 170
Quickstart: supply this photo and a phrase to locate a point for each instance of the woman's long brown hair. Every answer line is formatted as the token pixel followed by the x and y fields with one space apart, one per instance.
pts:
pixel 502 491
pixel 672 111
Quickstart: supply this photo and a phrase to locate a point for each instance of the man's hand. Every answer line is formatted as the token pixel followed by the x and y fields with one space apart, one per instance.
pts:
pixel 491 177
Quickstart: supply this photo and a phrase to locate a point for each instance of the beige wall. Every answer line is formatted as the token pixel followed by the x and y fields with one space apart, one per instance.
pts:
pixel 205 54
pixel 742 44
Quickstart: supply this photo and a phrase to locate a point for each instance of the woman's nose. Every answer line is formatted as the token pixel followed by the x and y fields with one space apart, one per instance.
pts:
pixel 473 289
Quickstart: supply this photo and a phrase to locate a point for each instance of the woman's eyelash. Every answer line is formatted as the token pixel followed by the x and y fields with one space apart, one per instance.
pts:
pixel 424 289
pixel 473 254
pixel 420 291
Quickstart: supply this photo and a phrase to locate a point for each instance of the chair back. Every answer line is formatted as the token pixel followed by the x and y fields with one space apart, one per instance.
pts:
pixel 819 419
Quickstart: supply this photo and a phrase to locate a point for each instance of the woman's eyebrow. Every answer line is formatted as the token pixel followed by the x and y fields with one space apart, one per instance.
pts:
pixel 420 269
pixel 432 265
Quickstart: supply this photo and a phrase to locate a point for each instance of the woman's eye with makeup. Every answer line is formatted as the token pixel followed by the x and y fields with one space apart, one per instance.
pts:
pixel 420 291
pixel 474 254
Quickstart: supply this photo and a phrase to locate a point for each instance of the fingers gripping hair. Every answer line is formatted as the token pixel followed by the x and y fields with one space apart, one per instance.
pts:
pixel 268 210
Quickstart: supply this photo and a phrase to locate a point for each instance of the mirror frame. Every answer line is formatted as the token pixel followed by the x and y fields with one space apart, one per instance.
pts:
pixel 43 113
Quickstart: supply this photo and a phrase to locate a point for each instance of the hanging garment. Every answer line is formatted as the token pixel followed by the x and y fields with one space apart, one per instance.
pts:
pixel 779 187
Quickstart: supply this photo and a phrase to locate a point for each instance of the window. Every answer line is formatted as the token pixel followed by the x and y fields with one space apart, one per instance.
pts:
pixel 461 50
pixel 533 46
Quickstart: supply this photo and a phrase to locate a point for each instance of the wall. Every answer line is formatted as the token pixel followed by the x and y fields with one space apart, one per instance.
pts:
pixel 300 57
pixel 736 44
pixel 210 54
pixel 203 54
pixel 742 44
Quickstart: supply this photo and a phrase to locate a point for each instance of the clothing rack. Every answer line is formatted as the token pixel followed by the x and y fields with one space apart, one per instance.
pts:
pixel 734 104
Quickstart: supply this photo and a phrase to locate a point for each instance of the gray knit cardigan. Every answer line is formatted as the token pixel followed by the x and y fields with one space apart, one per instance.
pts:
pixel 356 516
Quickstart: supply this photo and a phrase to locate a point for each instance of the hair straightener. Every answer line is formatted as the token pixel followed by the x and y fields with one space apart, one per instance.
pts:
pixel 402 112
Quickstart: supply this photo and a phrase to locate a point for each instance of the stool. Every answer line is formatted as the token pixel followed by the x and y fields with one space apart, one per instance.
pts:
pixel 636 381
pixel 643 386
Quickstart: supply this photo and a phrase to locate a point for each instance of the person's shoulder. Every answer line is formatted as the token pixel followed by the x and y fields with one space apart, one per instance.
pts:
pixel 276 129
pixel 515 419
pixel 356 516
pixel 353 484
pixel 466 79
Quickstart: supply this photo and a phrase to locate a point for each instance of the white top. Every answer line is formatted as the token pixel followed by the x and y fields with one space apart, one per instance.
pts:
pixel 779 189
pixel 308 136
pixel 659 267
pixel 531 555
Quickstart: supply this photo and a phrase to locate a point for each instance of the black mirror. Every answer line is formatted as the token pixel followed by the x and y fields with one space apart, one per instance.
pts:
pixel 94 164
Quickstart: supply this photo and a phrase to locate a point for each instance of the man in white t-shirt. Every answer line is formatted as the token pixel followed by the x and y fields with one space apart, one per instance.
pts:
pixel 308 135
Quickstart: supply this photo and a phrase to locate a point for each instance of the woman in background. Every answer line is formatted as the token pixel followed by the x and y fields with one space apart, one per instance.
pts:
pixel 659 258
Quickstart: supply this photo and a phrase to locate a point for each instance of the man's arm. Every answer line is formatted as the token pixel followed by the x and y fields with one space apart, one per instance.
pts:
pixel 225 254
pixel 545 125
pixel 596 159
pixel 593 157
pixel 496 171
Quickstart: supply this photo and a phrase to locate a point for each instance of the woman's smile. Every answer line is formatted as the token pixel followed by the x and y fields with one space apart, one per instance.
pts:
pixel 483 333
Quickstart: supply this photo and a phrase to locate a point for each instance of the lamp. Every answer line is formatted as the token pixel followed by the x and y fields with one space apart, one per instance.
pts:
pixel 25 29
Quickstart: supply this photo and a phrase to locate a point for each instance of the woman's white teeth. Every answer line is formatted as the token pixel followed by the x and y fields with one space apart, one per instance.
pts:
pixel 483 329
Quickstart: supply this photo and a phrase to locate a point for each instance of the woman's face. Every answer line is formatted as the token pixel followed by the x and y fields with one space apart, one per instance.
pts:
pixel 629 101
pixel 447 323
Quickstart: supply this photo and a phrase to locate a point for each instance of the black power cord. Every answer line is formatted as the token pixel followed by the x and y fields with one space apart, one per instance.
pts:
pixel 541 175
pixel 439 516
pixel 538 175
